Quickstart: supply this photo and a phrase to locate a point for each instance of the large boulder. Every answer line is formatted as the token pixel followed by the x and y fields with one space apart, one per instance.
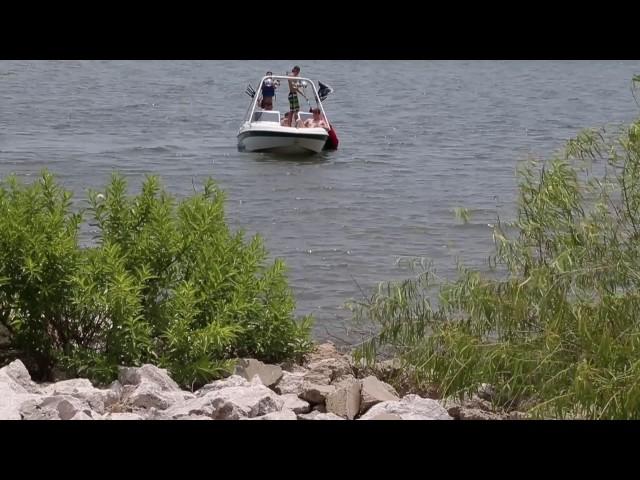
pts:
pixel 292 367
pixel 249 368
pixel 11 401
pixel 326 361
pixel 345 400
pixel 320 374
pixel 149 387
pixel 194 417
pixel 316 415
pixel 68 387
pixel 147 374
pixel 316 393
pixel 232 381
pixel 373 392
pixel 290 383
pixel 83 416
pixel 148 395
pixel 17 377
pixel 231 403
pixel 238 402
pixel 16 389
pixel 331 368
pixel 204 405
pixel 322 352
pixel 155 414
pixel 284 414
pixel 123 416
pixel 411 407
pixel 81 388
pixel 296 404
pixel 386 416
pixel 57 407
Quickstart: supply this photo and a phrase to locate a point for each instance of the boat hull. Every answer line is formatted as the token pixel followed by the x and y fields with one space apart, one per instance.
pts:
pixel 285 140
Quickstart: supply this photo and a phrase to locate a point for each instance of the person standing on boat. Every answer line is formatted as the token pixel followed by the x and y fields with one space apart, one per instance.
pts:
pixel 268 91
pixel 294 104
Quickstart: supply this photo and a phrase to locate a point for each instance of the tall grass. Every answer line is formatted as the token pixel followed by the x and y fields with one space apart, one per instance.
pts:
pixel 557 323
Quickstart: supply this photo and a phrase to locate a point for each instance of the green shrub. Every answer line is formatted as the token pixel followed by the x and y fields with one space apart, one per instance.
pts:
pixel 165 282
pixel 38 254
pixel 556 323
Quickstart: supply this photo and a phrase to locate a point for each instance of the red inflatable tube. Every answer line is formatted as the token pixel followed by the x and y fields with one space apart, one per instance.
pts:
pixel 332 141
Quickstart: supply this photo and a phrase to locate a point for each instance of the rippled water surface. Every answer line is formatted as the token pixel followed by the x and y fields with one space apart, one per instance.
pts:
pixel 417 140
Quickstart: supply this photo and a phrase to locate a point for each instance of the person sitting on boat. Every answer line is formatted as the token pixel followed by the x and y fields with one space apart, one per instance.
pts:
pixel 317 121
pixel 294 104
pixel 268 91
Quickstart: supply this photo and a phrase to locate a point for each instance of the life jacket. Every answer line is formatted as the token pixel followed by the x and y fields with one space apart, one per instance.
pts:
pixel 268 90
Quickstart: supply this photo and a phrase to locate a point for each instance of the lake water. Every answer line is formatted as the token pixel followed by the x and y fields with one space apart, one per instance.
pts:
pixel 418 138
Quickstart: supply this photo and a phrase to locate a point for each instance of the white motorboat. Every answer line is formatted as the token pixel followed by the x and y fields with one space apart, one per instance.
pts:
pixel 269 130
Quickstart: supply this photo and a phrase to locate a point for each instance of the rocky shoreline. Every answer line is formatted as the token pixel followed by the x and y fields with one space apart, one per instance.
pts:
pixel 326 387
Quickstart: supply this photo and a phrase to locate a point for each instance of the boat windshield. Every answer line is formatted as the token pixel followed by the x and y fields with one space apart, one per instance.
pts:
pixel 266 116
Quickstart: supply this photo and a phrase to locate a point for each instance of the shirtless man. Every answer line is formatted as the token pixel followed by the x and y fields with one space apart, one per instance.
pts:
pixel 317 121
pixel 294 104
